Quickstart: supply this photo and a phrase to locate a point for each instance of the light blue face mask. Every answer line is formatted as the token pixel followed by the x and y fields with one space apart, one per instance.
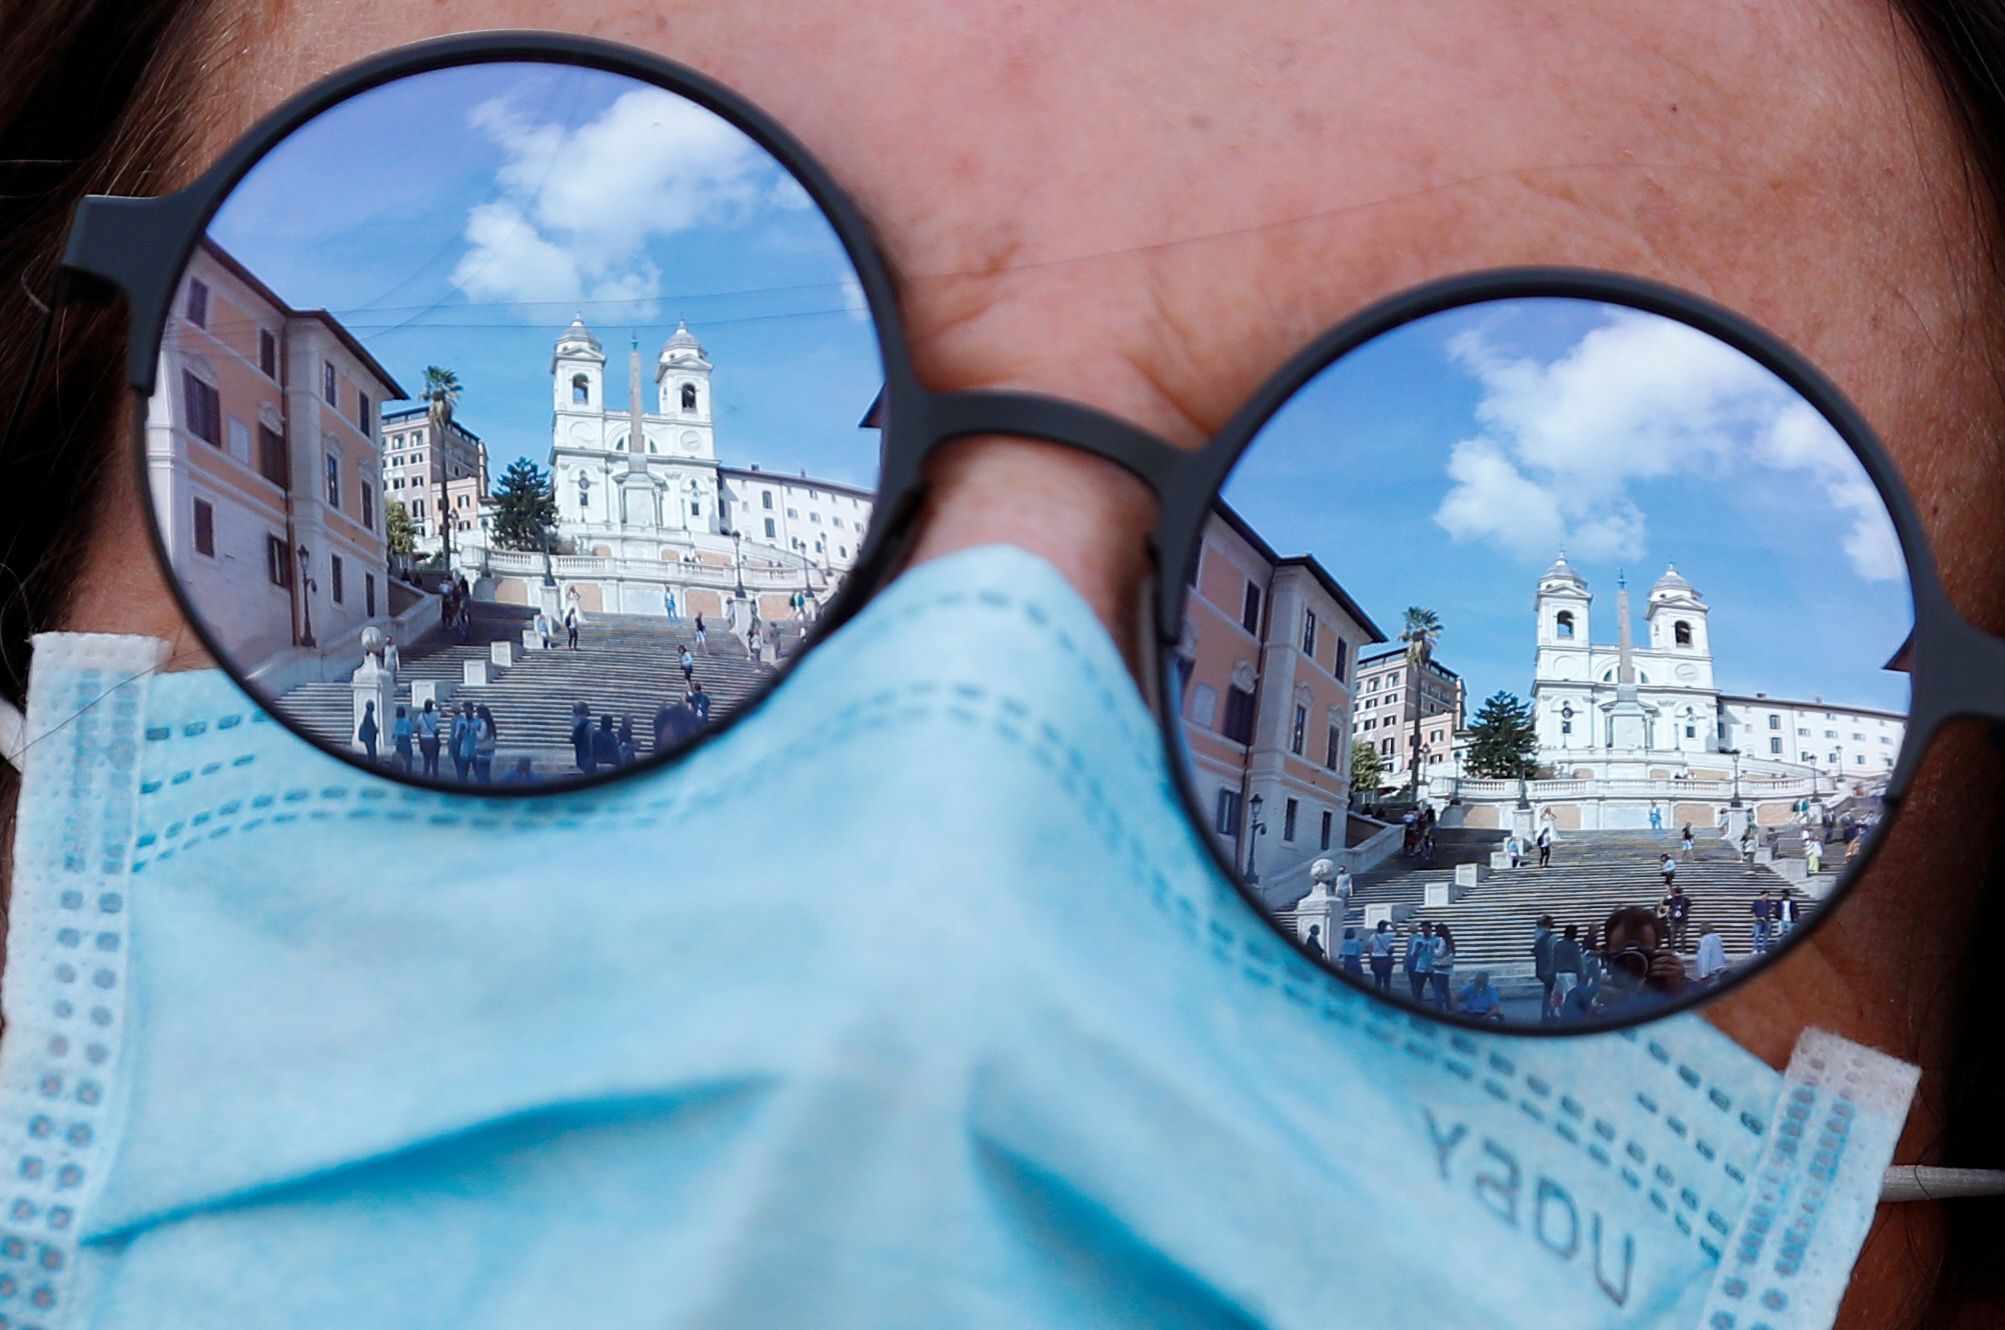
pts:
pixel 910 1002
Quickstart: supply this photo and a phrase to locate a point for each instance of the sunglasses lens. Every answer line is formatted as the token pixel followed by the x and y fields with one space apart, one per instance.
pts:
pixel 510 424
pixel 1542 665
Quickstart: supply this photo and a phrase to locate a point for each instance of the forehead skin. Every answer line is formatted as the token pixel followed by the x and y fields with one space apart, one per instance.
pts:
pixel 1139 206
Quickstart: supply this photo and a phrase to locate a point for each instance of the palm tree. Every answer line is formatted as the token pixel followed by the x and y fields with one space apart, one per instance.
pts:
pixel 441 395
pixel 1422 630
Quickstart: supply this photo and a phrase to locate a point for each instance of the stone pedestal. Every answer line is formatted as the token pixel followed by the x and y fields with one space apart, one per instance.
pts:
pixel 1737 820
pixel 473 673
pixel 371 684
pixel 531 640
pixel 423 691
pixel 1434 895
pixel 1469 875
pixel 501 654
pixel 1376 914
pixel 1325 911
pixel 1499 859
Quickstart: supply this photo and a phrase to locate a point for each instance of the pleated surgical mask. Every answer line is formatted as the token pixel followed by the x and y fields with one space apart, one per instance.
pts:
pixel 912 1001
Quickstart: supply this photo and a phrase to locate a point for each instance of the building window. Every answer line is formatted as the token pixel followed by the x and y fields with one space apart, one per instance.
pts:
pixel 1681 633
pixel 1385 747
pixel 334 577
pixel 240 440
pixel 581 390
pixel 203 408
pixel 334 482
pixel 837 521
pixel 1830 734
pixel 1858 737
pixel 369 594
pixel 1335 747
pixel 268 353
pixel 362 421
pixel 205 528
pixel 271 456
pixel 766 500
pixel 688 397
pixel 368 505
pixel 769 529
pixel 1775 722
pixel 1298 737
pixel 1342 661
pixel 1227 819
pixel 1775 745
pixel 1238 715
pixel 1566 727
pixel 1371 722
pixel 278 561
pixel 1691 732
pixel 1309 634
pixel 197 308
pixel 1203 705
pixel 1328 826
pixel 327 384
pixel 1289 811
pixel 1563 625
pixel 842 551
pixel 793 512
pixel 1249 612
pixel 417 508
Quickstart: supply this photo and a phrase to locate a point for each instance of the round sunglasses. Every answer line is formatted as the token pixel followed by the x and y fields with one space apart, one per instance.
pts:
pixel 1541 650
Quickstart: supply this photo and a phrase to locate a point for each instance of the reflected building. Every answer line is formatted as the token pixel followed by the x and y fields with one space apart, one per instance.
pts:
pixel 1390 699
pixel 1267 667
pixel 1628 726
pixel 645 507
pixel 264 467
pixel 439 477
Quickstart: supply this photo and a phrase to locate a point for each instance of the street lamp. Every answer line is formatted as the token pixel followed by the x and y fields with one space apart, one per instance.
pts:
pixel 1566 724
pixel 306 588
pixel 1734 753
pixel 738 558
pixel 1255 828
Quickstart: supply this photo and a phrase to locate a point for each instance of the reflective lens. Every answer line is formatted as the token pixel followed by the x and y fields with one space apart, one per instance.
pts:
pixel 507 427
pixel 1540 663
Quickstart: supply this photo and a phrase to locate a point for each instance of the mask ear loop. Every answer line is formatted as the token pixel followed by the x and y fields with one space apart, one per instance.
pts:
pixel 13 735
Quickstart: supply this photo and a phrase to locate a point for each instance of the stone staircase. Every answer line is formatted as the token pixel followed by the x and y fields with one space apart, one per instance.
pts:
pixel 625 666
pixel 1592 874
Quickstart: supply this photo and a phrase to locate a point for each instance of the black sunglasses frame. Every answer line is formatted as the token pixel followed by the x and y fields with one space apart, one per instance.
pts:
pixel 137 248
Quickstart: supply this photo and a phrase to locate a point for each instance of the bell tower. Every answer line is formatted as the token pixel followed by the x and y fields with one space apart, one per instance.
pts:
pixel 578 374
pixel 682 378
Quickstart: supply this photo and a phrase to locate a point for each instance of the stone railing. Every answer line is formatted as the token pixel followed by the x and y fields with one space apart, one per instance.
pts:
pixel 721 576
pixel 1538 791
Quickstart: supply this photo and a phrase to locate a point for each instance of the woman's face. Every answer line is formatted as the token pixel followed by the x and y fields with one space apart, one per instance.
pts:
pixel 1139 207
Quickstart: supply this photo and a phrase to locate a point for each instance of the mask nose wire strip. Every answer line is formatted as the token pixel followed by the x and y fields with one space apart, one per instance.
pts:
pixel 13 729
pixel 1912 1182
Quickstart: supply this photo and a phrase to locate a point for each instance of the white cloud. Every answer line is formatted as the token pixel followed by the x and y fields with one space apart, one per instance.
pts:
pixel 578 205
pixel 1640 398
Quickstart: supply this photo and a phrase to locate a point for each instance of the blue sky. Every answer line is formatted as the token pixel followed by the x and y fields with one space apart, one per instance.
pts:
pixel 462 217
pixel 1446 463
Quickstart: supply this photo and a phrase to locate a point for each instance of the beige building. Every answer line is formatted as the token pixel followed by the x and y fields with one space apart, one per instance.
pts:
pixel 1267 669
pixel 1391 696
pixel 441 480
pixel 263 464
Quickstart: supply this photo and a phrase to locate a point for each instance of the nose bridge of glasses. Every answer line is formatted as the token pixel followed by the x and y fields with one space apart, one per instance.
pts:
pixel 1176 476
pixel 115 247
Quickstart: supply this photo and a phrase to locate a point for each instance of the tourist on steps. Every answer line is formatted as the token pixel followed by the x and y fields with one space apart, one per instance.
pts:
pixel 1313 944
pixel 428 739
pixel 688 663
pixel 1567 965
pixel 1380 951
pixel 483 745
pixel 571 626
pixel 1543 942
pixel 1444 964
pixel 1763 910
pixel 1677 911
pixel 605 744
pixel 581 737
pixel 1687 838
pixel 402 731
pixel 698 701
pixel 465 741
pixel 1419 960
pixel 1545 846
pixel 668 604
pixel 1350 953
pixel 702 636
pixel 628 752
pixel 366 732
pixel 1479 999
pixel 1514 846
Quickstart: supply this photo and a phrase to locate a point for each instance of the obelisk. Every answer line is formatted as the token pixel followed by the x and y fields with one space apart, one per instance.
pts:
pixel 1628 722
pixel 636 488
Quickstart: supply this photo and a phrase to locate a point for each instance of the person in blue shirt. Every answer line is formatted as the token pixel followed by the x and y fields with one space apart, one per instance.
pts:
pixel 1420 960
pixel 1379 946
pixel 1350 953
pixel 1479 999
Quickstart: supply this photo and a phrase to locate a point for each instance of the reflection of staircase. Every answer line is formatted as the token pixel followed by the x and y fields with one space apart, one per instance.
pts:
pixel 625 666
pixel 1592 874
